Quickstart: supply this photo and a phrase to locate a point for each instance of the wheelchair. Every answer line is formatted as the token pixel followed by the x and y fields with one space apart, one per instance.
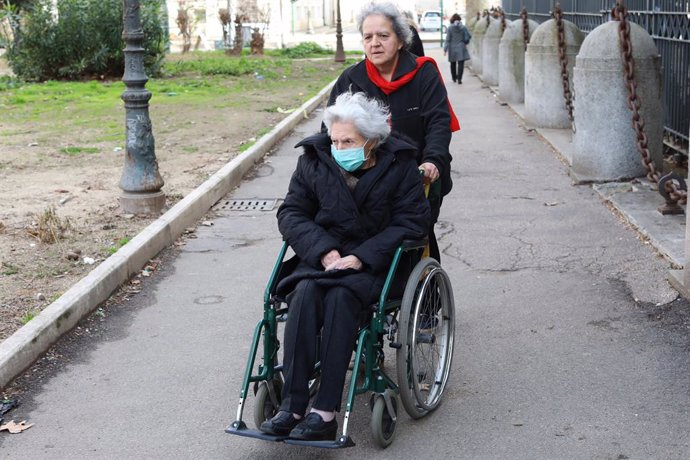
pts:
pixel 419 326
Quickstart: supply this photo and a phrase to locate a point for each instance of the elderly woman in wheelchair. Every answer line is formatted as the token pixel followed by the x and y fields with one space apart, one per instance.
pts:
pixel 355 205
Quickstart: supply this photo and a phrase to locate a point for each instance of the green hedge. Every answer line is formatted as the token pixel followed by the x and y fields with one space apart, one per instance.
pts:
pixel 83 39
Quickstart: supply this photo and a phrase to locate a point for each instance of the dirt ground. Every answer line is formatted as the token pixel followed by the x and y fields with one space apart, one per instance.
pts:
pixel 83 191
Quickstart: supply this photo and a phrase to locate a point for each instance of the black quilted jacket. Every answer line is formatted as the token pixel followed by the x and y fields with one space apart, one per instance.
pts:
pixel 320 213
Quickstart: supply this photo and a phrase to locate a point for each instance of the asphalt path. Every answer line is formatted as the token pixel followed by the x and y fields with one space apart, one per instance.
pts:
pixel 569 341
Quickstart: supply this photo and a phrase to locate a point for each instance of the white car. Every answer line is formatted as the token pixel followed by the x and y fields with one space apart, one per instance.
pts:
pixel 431 20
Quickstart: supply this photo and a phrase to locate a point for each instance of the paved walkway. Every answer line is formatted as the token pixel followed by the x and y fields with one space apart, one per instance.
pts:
pixel 570 342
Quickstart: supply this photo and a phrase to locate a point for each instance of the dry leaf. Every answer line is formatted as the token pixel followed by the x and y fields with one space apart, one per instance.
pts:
pixel 15 428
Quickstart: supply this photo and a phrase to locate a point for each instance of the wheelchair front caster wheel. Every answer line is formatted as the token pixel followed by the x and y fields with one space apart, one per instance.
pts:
pixel 383 421
pixel 264 406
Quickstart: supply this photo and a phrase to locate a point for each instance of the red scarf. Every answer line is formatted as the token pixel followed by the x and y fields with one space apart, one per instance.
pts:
pixel 389 87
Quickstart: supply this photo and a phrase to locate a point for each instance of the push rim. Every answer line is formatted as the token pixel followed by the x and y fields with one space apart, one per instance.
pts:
pixel 427 326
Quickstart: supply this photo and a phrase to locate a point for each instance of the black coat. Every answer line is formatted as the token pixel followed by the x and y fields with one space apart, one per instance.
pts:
pixel 419 110
pixel 320 213
pixel 416 47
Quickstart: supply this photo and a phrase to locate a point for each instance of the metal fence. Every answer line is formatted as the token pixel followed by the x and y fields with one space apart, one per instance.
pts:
pixel 667 21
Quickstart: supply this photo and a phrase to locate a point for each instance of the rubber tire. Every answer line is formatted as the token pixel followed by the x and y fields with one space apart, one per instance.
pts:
pixel 382 427
pixel 408 396
pixel 263 406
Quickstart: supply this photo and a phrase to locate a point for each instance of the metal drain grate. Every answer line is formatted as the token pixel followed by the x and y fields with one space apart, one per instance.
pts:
pixel 248 205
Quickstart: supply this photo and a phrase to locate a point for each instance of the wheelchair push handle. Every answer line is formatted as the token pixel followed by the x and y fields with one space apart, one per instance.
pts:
pixel 430 187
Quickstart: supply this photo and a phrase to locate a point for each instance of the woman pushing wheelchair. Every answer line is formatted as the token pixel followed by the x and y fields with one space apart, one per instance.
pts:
pixel 355 195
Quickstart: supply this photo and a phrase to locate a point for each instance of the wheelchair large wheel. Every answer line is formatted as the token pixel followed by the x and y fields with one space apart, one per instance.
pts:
pixel 382 421
pixel 266 407
pixel 426 329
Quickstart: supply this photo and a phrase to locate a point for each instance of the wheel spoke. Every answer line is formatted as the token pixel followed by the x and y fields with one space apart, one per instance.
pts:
pixel 426 319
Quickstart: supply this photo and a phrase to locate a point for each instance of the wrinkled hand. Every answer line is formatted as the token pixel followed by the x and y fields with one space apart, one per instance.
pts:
pixel 345 262
pixel 430 172
pixel 330 257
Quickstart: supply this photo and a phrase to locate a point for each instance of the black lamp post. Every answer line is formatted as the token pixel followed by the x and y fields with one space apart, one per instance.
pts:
pixel 140 182
pixel 339 51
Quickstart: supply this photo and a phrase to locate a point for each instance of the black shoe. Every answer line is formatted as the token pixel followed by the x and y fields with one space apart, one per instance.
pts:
pixel 280 425
pixel 459 83
pixel 313 428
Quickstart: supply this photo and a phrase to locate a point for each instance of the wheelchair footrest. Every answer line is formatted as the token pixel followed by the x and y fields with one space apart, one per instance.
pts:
pixel 342 441
pixel 240 429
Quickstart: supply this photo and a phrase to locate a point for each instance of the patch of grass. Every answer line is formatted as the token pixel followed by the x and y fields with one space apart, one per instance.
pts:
pixel 264 130
pixel 306 49
pixel 217 63
pixel 28 316
pixel 8 83
pixel 244 147
pixel 8 269
pixel 190 149
pixel 54 297
pixel 16 100
pixel 200 79
pixel 111 137
pixel 78 150
pixel 118 244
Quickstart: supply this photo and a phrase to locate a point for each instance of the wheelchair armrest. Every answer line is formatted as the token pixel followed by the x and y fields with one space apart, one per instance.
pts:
pixel 414 244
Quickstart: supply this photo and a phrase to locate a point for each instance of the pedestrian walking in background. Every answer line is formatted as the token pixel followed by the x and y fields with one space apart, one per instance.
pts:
pixel 457 38
pixel 413 88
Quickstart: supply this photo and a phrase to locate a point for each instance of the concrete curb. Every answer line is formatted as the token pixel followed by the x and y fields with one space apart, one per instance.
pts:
pixel 26 345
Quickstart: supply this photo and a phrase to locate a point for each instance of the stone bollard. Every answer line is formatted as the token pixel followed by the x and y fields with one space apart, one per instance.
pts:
pixel 680 279
pixel 544 102
pixel 490 42
pixel 470 23
pixel 476 44
pixel 511 61
pixel 605 142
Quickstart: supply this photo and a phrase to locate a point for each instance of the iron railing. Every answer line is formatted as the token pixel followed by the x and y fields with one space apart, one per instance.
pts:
pixel 667 21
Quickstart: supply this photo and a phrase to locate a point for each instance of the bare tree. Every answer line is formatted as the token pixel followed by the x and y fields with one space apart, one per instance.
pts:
pixel 260 16
pixel 238 42
pixel 224 17
pixel 185 24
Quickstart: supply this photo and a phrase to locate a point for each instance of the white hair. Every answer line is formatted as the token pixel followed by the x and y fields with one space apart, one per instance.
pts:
pixel 391 12
pixel 370 116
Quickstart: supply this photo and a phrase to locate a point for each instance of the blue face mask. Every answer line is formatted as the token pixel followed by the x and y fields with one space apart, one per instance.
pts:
pixel 349 159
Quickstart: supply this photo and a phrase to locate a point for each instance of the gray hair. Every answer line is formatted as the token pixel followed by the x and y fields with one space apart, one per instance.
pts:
pixel 370 116
pixel 391 12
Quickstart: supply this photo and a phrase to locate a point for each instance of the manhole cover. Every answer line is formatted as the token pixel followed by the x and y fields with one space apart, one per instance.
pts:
pixel 248 205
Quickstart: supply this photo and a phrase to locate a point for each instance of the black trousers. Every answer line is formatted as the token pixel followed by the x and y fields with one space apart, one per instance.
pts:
pixel 457 68
pixel 335 313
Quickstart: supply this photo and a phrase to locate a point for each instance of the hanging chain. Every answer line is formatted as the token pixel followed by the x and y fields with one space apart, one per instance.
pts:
pixel 525 26
pixel 563 59
pixel 672 187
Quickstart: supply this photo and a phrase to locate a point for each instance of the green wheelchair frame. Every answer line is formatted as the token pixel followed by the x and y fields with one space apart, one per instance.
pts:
pixel 420 326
